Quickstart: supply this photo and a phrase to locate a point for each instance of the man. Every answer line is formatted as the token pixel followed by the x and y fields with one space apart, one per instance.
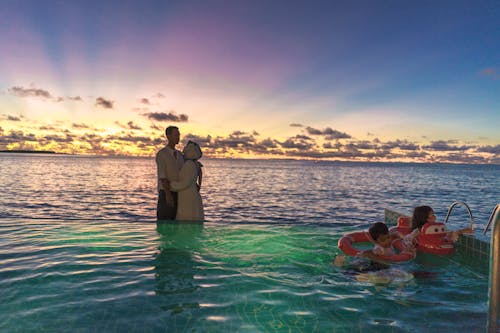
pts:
pixel 168 163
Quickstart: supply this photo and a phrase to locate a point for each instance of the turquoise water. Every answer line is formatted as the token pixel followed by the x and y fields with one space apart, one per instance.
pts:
pixel 80 250
pixel 134 277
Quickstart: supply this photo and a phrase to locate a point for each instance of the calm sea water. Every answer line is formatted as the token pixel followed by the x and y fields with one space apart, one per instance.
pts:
pixel 234 191
pixel 80 252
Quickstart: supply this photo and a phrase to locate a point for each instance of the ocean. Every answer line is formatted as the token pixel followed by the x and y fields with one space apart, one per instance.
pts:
pixel 80 250
pixel 63 187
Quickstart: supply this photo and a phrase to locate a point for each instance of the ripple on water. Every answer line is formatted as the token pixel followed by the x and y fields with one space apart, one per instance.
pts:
pixel 211 277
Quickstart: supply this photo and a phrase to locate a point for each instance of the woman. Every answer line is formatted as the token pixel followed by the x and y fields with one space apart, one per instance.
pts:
pixel 190 206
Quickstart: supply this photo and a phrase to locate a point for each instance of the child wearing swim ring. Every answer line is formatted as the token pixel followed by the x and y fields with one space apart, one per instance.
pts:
pixel 383 242
pixel 421 216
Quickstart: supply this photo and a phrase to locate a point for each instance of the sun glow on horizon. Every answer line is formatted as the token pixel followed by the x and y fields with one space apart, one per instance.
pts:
pixel 251 83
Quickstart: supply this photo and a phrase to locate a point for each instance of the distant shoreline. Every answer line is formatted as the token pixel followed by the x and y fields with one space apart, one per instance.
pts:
pixel 315 161
pixel 29 151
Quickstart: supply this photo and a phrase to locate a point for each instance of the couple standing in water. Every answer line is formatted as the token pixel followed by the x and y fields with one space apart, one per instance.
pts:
pixel 179 180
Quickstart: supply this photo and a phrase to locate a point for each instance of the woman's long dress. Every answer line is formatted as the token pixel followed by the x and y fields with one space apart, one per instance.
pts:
pixel 190 206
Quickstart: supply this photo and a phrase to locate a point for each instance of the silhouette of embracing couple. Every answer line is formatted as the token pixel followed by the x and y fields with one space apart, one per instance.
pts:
pixel 179 180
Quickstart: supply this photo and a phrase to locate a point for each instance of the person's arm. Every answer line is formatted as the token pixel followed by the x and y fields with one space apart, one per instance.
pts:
pixel 453 235
pixel 166 185
pixel 465 231
pixel 410 240
pixel 369 254
pixel 200 174
pixel 188 176
pixel 162 166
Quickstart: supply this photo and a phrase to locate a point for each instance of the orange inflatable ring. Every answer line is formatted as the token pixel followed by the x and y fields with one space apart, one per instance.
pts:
pixel 347 241
pixel 346 244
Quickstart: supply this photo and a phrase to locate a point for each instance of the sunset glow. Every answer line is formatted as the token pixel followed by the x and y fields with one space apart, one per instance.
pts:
pixel 326 80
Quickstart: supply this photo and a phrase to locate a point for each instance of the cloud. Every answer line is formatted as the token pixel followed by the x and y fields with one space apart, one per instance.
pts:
pixel 300 142
pixel 329 145
pixel 417 154
pixel 489 149
pixel 120 124
pixel 158 95
pixel 459 158
pixel 107 104
pixel 347 152
pixel 296 125
pixel 401 144
pixel 239 143
pixel 29 92
pixel 313 131
pixel 17 136
pixel 156 127
pixel 79 126
pixel 237 139
pixel 203 141
pixel 334 134
pixel 445 146
pixel 144 101
pixel 129 126
pixel 133 126
pixel 329 133
pixel 128 138
pixel 157 141
pixel 56 138
pixel 47 128
pixel 38 92
pixel 143 109
pixel 269 143
pixel 267 146
pixel 163 116
pixel 13 118
pixel 365 145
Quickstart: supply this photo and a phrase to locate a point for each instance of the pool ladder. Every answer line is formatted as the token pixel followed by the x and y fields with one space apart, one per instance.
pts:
pixel 494 278
pixel 494 288
pixel 456 203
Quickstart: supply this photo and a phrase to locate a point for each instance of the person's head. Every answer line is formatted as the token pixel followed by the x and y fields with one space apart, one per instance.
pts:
pixel 173 135
pixel 192 151
pixel 421 216
pixel 380 234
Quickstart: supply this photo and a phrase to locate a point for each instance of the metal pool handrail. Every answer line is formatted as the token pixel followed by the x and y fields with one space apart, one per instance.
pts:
pixel 494 283
pixel 492 215
pixel 466 206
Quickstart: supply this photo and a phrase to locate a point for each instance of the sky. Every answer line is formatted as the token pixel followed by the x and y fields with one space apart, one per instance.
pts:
pixel 409 81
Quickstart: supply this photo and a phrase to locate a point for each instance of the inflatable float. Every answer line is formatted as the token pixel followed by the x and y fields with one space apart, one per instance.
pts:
pixel 433 237
pixel 347 242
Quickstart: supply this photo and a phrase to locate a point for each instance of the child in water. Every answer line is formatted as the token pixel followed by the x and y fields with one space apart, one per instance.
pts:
pixel 421 216
pixel 383 242
pixel 376 270
pixel 383 247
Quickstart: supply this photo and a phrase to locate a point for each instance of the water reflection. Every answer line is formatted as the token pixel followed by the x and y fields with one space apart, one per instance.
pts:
pixel 176 265
pixel 65 187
